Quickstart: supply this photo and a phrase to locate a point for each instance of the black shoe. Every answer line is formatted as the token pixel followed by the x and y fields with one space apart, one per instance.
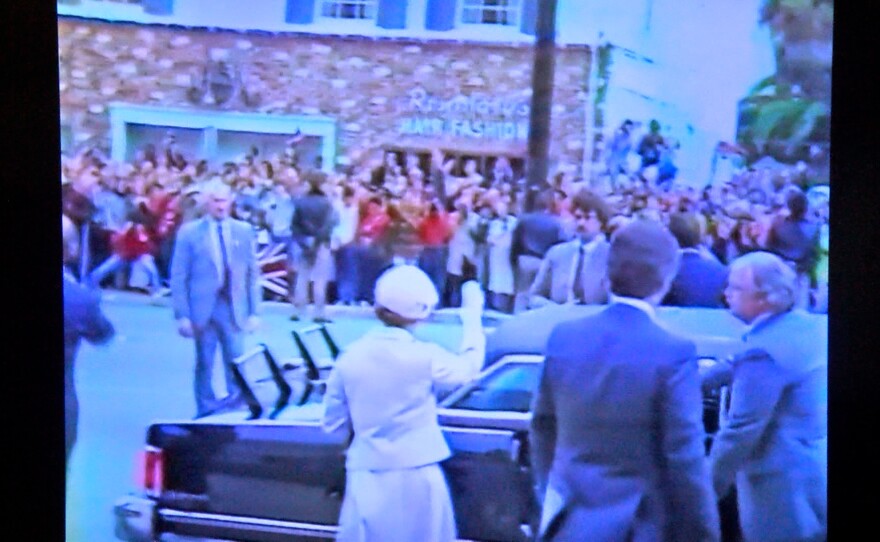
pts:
pixel 322 320
pixel 295 318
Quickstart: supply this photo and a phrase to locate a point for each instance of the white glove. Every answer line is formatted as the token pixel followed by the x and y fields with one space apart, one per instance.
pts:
pixel 472 301
pixel 472 297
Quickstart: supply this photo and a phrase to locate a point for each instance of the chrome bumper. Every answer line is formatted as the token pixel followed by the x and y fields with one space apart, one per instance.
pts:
pixel 135 519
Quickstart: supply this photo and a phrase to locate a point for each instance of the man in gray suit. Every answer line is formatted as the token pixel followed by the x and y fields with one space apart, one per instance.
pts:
pixel 214 291
pixel 773 444
pixel 573 272
pixel 617 435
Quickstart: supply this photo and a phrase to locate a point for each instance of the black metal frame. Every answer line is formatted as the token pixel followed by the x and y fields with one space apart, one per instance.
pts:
pixel 284 389
pixel 314 379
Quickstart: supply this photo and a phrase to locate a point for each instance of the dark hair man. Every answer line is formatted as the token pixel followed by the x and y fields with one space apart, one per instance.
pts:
pixel 83 319
pixel 533 236
pixel 617 431
pixel 574 271
pixel 701 277
pixel 313 221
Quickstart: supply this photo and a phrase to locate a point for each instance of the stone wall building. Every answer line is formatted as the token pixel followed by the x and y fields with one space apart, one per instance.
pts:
pixel 466 98
pixel 355 75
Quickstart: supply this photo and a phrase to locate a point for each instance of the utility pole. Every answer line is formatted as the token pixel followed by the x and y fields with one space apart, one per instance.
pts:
pixel 542 99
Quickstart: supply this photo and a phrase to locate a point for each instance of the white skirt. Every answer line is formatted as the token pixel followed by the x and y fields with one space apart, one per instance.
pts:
pixel 404 505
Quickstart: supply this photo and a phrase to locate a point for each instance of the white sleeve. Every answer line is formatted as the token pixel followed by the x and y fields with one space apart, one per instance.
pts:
pixel 336 413
pixel 450 368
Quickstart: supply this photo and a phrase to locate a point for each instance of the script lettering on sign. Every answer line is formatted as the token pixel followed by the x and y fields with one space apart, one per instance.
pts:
pixel 477 116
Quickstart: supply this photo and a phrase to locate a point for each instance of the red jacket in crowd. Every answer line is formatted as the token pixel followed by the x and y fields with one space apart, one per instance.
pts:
pixel 132 242
pixel 373 226
pixel 434 230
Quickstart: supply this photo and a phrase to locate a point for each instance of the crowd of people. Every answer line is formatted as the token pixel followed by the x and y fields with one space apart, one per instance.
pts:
pixel 340 230
pixel 404 239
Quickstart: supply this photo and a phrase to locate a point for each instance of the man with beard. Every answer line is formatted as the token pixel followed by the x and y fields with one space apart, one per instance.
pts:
pixel 572 272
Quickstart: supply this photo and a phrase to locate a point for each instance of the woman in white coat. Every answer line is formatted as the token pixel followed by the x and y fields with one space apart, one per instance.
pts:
pixel 381 392
pixel 501 288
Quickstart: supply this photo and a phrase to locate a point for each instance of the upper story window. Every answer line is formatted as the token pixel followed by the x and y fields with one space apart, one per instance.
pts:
pixel 495 12
pixel 349 9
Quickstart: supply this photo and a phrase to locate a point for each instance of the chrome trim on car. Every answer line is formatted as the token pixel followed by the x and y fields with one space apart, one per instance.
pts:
pixel 243 523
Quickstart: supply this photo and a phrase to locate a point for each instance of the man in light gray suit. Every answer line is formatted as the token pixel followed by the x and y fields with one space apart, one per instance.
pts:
pixel 214 291
pixel 774 441
pixel 573 272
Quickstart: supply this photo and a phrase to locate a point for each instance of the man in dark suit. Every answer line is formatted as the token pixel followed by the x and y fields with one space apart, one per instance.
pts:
pixel 313 221
pixel 534 234
pixel 795 239
pixel 215 292
pixel 617 435
pixel 701 277
pixel 773 444
pixel 83 319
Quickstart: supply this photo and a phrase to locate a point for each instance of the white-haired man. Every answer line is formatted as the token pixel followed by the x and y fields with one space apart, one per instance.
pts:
pixel 774 442
pixel 214 291
pixel 381 390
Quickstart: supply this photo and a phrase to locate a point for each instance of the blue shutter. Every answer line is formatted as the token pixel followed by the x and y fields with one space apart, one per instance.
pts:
pixel 299 11
pixel 391 14
pixel 528 16
pixel 441 15
pixel 158 7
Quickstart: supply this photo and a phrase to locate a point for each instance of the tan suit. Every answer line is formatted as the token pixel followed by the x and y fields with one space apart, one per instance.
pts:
pixel 555 280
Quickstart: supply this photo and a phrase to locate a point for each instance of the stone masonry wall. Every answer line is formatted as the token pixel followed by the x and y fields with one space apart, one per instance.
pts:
pixel 363 83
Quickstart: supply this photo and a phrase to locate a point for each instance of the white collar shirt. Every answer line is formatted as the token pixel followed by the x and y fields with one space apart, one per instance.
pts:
pixel 640 304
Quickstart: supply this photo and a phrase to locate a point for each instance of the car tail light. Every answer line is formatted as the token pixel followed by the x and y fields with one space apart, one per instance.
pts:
pixel 152 471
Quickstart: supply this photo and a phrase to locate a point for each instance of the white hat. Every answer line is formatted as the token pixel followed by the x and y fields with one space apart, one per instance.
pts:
pixel 407 291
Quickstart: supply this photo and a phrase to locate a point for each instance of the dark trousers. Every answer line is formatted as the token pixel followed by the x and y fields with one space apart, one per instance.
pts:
pixel 432 261
pixel 347 273
pixel 71 421
pixel 371 261
pixel 452 292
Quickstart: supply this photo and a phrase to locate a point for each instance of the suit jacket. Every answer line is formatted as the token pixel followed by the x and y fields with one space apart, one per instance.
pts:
pixel 617 434
pixel 382 390
pixel 83 319
pixel 555 278
pixel 196 275
pixel 797 242
pixel 534 234
pixel 700 282
pixel 774 442
pixel 313 216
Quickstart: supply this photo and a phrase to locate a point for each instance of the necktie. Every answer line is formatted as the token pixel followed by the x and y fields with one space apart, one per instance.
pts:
pixel 578 286
pixel 224 288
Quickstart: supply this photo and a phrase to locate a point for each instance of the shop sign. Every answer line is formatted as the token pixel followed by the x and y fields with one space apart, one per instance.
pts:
pixel 476 116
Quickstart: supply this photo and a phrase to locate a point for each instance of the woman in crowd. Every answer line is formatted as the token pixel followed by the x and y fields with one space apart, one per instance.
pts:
pixel 499 236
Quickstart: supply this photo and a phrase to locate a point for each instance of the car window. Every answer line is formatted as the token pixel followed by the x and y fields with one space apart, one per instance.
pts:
pixel 510 388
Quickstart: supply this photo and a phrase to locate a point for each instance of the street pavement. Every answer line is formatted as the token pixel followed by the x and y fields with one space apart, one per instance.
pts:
pixel 146 374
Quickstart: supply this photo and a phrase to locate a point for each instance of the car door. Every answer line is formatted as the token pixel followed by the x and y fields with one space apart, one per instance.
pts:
pixel 486 425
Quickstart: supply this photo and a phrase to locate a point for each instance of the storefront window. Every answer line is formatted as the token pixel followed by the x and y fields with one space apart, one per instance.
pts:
pixel 498 12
